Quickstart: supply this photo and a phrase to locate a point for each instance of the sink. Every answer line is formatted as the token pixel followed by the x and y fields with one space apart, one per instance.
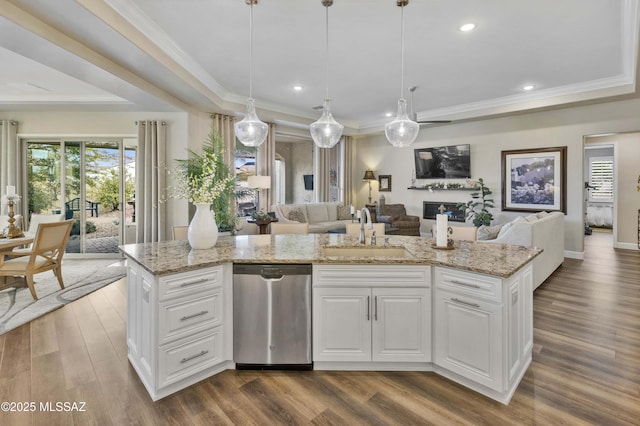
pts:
pixel 364 251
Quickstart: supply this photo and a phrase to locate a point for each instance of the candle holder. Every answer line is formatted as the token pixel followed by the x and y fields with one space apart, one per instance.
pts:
pixel 14 231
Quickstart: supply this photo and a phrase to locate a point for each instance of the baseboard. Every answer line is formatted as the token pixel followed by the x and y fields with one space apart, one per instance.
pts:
pixel 627 246
pixel 574 254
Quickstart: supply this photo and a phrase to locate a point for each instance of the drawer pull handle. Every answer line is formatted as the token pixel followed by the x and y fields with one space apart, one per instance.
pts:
pixel 189 358
pixel 375 312
pixel 188 283
pixel 473 305
pixel 465 284
pixel 188 317
pixel 368 309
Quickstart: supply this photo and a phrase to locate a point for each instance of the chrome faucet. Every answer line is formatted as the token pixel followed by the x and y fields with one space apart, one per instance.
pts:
pixel 361 238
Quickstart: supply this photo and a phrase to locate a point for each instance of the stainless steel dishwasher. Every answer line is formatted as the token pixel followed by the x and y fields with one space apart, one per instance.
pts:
pixel 272 316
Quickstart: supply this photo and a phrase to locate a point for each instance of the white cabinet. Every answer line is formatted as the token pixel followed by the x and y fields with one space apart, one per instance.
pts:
pixel 467 338
pixel 178 326
pixel 483 332
pixel 376 318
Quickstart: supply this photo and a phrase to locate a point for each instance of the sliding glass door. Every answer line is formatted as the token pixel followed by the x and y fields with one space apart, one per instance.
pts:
pixel 89 181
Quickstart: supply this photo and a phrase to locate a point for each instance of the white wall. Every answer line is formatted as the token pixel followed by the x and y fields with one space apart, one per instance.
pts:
pixel 184 130
pixel 566 127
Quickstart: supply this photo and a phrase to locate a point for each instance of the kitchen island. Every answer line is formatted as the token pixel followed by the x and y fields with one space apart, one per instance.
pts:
pixel 464 313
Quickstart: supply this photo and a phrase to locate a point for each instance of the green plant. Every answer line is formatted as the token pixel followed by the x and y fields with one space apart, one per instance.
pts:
pixel 90 227
pixel 260 215
pixel 478 207
pixel 206 178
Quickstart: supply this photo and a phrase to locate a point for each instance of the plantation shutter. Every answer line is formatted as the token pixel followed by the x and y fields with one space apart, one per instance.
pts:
pixel 601 176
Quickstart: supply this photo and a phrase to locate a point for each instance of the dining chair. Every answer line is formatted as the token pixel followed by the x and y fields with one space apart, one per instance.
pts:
pixel 289 228
pixel 180 232
pixel 45 255
pixel 36 219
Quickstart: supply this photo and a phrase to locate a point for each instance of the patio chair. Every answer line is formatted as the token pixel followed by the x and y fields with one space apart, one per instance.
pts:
pixel 45 255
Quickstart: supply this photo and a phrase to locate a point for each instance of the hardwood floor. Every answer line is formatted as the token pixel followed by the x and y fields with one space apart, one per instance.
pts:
pixel 585 369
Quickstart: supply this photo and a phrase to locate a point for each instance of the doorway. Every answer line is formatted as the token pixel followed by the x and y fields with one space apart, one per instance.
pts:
pixel 599 196
pixel 91 182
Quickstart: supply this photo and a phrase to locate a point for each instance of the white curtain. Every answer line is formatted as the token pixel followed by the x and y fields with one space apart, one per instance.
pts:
pixel 267 167
pixel 150 181
pixel 224 125
pixel 347 143
pixel 321 179
pixel 11 163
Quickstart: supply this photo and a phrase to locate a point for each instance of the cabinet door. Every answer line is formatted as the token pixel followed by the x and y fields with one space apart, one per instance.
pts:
pixel 342 324
pixel 401 324
pixel 468 338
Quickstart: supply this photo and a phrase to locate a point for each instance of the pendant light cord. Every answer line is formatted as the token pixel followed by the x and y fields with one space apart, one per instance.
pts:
pixel 251 51
pixel 327 45
pixel 401 49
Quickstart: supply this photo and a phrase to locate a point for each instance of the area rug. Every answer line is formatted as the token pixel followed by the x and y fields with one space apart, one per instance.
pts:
pixel 81 277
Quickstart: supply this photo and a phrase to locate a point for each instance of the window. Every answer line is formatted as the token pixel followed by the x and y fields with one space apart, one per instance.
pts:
pixel 601 177
pixel 245 165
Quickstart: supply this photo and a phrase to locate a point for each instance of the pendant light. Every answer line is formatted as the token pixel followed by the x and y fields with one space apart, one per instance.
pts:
pixel 326 132
pixel 250 130
pixel 402 131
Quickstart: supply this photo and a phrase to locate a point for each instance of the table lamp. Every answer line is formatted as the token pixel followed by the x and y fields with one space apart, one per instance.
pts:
pixel 369 176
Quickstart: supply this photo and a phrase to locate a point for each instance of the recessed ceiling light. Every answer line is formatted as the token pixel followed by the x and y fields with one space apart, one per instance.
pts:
pixel 467 27
pixel 297 88
pixel 528 87
pixel 388 114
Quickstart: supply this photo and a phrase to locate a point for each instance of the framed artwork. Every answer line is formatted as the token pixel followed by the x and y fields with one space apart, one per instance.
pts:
pixel 385 183
pixel 534 179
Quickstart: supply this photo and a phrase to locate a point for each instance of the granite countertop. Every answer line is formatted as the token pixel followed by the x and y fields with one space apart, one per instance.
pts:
pixel 169 257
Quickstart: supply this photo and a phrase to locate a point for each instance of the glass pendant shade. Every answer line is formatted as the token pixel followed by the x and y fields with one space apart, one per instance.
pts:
pixel 402 131
pixel 250 130
pixel 326 132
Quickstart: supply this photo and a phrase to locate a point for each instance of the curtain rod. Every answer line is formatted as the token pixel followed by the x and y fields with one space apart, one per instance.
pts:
pixel 162 123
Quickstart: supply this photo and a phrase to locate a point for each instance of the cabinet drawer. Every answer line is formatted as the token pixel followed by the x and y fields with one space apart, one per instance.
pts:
pixel 186 357
pixel 371 276
pixel 468 283
pixel 178 285
pixel 188 316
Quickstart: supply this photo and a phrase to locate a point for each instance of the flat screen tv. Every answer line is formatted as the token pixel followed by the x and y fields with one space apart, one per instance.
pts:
pixel 443 162
pixel 308 182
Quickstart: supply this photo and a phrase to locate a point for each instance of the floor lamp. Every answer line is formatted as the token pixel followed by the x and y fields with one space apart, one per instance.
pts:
pixel 257 183
pixel 368 176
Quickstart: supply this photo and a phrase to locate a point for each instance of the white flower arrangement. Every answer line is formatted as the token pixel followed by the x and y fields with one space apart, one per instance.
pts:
pixel 200 178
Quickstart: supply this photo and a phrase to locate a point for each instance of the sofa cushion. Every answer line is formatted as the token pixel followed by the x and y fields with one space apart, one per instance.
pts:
pixel 317 213
pixel 332 209
pixel 344 212
pixel 488 232
pixel 297 215
pixel 531 217
pixel 542 214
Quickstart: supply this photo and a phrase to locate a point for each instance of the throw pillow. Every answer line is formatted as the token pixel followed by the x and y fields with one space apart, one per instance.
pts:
pixel 488 232
pixel 504 229
pixel 519 219
pixel 344 212
pixel 531 218
pixel 297 215
pixel 542 214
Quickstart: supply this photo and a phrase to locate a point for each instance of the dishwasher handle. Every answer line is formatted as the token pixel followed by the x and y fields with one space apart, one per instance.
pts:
pixel 271 273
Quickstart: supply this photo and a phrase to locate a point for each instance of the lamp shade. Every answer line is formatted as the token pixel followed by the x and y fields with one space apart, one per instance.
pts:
pixel 259 182
pixel 250 130
pixel 402 131
pixel 326 132
pixel 368 175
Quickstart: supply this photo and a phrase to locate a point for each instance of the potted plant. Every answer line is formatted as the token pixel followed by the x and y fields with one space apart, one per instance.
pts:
pixel 206 181
pixel 478 208
pixel 261 217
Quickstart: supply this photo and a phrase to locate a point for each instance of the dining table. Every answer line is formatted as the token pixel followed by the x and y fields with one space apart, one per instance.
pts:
pixel 6 245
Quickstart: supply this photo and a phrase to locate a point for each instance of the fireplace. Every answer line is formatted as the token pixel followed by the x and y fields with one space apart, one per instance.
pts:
pixel 430 210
